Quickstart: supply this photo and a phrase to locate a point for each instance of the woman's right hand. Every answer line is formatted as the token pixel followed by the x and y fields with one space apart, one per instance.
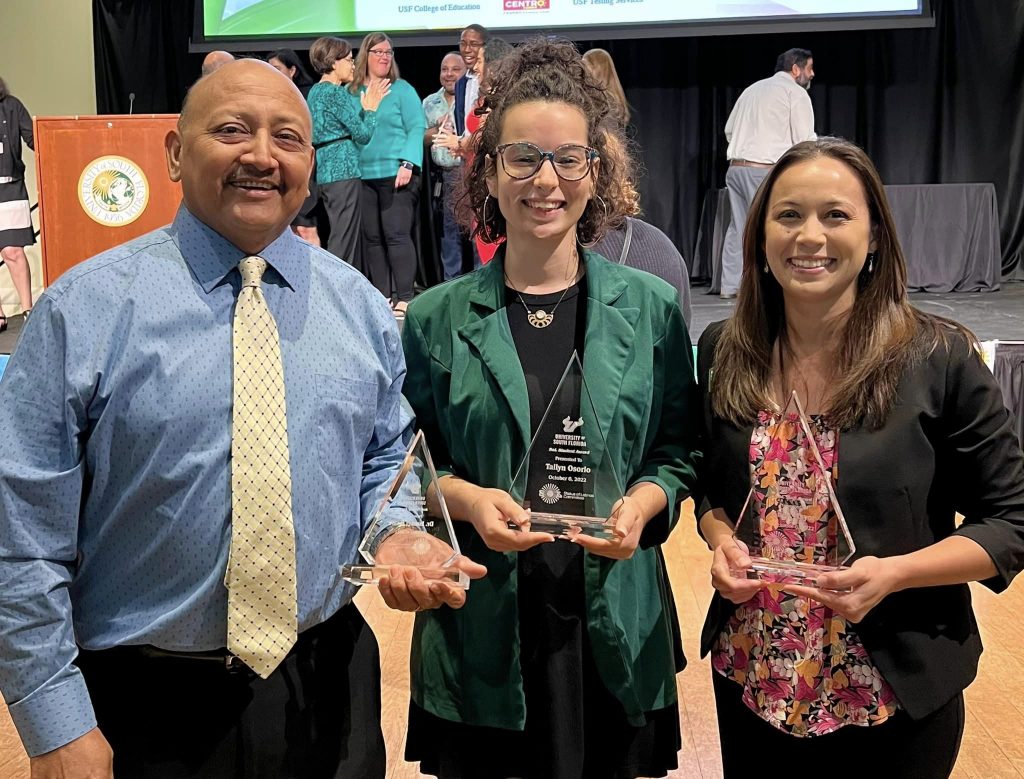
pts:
pixel 376 91
pixel 491 512
pixel 732 555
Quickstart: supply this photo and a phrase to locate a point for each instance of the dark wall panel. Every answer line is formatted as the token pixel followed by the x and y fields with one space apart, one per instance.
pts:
pixel 944 104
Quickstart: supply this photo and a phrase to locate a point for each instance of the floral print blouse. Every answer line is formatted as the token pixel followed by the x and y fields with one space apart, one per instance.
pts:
pixel 803 669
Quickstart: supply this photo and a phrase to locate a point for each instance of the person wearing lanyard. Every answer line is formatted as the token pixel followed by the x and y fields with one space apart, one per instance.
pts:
pixel 439 111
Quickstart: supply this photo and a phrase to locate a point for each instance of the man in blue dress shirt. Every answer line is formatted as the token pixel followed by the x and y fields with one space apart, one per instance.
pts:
pixel 115 477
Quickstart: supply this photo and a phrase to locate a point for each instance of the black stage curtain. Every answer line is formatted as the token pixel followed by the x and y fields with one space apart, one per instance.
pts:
pixel 141 46
pixel 931 105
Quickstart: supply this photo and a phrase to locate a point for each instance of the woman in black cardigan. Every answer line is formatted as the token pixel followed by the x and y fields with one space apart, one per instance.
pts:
pixel 866 670
pixel 15 216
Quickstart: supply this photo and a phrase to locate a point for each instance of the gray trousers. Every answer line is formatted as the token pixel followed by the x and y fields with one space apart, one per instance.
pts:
pixel 742 182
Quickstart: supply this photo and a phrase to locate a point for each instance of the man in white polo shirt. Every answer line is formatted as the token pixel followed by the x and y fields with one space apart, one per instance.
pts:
pixel 770 116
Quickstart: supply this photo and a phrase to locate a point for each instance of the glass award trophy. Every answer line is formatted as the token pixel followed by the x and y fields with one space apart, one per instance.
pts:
pixel 791 521
pixel 567 480
pixel 434 549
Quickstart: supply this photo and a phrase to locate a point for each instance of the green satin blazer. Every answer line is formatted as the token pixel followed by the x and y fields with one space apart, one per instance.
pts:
pixel 467 388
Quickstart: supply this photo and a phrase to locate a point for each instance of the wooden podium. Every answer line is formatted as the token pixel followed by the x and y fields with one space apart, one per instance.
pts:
pixel 102 180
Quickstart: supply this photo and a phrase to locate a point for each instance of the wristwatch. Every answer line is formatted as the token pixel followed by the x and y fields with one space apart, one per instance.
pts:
pixel 407 165
pixel 389 531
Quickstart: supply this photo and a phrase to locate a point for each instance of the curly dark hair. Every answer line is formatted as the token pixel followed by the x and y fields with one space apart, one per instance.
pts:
pixel 549 70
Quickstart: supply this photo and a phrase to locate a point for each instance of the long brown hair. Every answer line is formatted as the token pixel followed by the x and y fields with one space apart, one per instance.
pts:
pixel 601 68
pixel 362 71
pixel 550 71
pixel 880 340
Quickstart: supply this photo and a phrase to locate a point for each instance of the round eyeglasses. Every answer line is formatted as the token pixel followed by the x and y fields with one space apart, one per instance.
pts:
pixel 522 160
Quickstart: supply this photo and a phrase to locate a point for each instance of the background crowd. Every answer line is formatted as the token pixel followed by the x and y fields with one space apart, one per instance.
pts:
pixel 389 165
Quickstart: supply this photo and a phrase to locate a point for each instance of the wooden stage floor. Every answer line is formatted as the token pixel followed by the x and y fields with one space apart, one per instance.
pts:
pixel 992 747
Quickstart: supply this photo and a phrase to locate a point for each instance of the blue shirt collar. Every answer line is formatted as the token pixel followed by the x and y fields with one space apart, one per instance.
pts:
pixel 212 256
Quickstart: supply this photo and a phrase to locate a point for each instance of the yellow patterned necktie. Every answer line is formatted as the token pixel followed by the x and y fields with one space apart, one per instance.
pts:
pixel 262 623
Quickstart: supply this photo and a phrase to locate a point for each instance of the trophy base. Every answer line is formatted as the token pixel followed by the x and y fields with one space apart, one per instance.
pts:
pixel 567 525
pixel 788 572
pixel 372 574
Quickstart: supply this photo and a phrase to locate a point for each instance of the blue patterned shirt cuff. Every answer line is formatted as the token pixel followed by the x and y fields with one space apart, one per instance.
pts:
pixel 401 513
pixel 54 715
pixel 387 528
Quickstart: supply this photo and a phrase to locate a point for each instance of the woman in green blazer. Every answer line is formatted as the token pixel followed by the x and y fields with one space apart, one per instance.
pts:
pixel 562 662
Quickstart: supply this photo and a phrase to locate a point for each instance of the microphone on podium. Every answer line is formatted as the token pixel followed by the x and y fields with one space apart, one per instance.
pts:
pixel 131 102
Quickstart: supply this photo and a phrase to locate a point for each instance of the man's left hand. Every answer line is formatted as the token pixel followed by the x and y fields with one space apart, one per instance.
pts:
pixel 449 140
pixel 405 587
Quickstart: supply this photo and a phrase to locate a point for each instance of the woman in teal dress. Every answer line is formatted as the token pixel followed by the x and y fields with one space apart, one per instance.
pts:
pixel 340 122
pixel 390 166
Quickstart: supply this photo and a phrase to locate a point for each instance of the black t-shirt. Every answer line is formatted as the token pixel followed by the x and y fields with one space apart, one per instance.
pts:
pixel 574 725
pixel 551 602
pixel 545 352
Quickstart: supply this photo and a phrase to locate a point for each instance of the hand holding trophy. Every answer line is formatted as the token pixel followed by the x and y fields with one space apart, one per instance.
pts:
pixel 794 530
pixel 567 480
pixel 410 532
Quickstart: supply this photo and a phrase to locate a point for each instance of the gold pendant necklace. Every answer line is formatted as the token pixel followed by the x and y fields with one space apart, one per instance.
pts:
pixel 541 318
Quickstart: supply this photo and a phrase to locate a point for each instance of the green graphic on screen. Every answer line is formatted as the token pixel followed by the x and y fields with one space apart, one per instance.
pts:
pixel 284 17
pixel 312 18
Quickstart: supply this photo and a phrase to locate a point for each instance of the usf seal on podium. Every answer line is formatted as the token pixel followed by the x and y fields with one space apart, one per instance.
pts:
pixel 113 191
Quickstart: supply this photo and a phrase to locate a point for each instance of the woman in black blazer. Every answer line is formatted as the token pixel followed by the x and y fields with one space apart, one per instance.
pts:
pixel 912 429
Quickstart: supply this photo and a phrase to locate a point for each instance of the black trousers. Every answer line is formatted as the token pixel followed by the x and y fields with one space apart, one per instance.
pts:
pixel 307 214
pixel 900 747
pixel 317 715
pixel 389 254
pixel 342 201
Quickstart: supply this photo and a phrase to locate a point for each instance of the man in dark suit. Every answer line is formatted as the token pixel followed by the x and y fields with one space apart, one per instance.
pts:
pixel 467 88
